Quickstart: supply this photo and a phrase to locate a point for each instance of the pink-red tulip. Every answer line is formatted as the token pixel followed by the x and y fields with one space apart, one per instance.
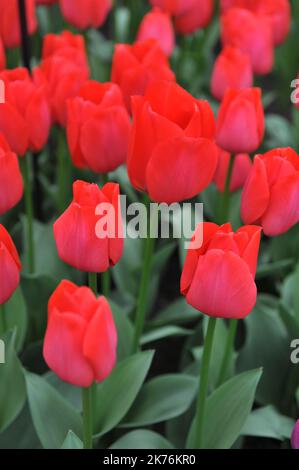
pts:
pixel 241 121
pixel 25 116
pixel 241 169
pixel 11 181
pixel 10 23
pixel 134 67
pixel 271 192
pixel 172 155
pixel 81 339
pixel 85 13
pixel 157 25
pixel 10 266
pixel 98 127
pixel 218 277
pixel 232 69
pixel 79 241
pixel 254 38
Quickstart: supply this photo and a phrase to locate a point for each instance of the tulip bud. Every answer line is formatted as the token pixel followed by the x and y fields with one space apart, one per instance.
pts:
pixel 271 192
pixel 295 436
pixel 241 169
pixel 10 266
pixel 85 14
pixel 157 25
pixel 241 122
pixel 98 127
pixel 218 276
pixel 79 242
pixel 10 23
pixel 232 69
pixel 81 337
pixel 11 181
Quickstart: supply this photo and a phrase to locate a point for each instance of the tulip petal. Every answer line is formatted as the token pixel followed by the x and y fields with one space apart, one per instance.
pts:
pixel 9 274
pixel 256 193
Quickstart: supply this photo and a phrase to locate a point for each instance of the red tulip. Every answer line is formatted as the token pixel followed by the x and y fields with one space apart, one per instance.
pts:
pixel 278 13
pixel 157 25
pixel 271 192
pixel 98 127
pixel 172 155
pixel 174 7
pixel 81 339
pixel 63 71
pixel 2 55
pixel 134 67
pixel 25 116
pixel 295 436
pixel 11 181
pixel 85 13
pixel 241 169
pixel 78 240
pixel 254 38
pixel 241 122
pixel 10 24
pixel 10 266
pixel 218 277
pixel 232 69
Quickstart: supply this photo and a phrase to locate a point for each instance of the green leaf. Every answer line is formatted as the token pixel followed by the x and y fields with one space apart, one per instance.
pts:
pixel 115 396
pixel 178 312
pixel 142 439
pixel 161 399
pixel 267 422
pixel 16 316
pixel 12 384
pixel 163 332
pixel 52 416
pixel 124 329
pixel 72 441
pixel 227 410
pixel 21 433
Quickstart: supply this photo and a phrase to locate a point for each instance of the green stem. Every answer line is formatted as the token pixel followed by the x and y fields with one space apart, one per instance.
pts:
pixel 224 205
pixel 233 325
pixel 25 165
pixel 87 417
pixel 3 324
pixel 144 283
pixel 62 169
pixel 106 283
pixel 203 384
pixel 93 282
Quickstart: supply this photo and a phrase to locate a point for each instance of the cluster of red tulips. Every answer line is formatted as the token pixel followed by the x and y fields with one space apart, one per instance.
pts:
pixel 174 147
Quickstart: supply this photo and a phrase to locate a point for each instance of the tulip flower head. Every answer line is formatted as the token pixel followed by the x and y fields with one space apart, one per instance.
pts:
pixel 81 338
pixel 98 127
pixel 85 14
pixel 218 277
pixel 241 169
pixel 295 436
pixel 172 155
pixel 157 25
pixel 78 242
pixel 11 181
pixel 10 266
pixel 241 121
pixel 271 192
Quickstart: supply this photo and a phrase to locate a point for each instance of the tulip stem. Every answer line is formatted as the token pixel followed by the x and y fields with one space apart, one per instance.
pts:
pixel 3 325
pixel 225 199
pixel 143 291
pixel 87 417
pixel 231 335
pixel 26 48
pixel 25 165
pixel 203 384
pixel 63 171
pixel 93 282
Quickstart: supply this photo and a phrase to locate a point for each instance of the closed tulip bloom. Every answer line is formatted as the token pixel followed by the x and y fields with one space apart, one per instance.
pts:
pixel 134 67
pixel 271 192
pixel 241 169
pixel 77 238
pixel 173 7
pixel 10 24
pixel 172 155
pixel 295 436
pixel 85 13
pixel 80 345
pixel 232 69
pixel 2 55
pixel 158 25
pixel 98 127
pixel 25 118
pixel 10 266
pixel 198 15
pixel 218 277
pixel 241 121
pixel 11 181
pixel 254 38
pixel 67 45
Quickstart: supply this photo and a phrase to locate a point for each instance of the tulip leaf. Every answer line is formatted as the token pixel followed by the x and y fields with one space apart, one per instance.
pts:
pixel 163 332
pixel 267 422
pixel 142 439
pixel 178 312
pixel 21 433
pixel 72 441
pixel 124 330
pixel 16 316
pixel 161 399
pixel 115 396
pixel 12 383
pixel 53 417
